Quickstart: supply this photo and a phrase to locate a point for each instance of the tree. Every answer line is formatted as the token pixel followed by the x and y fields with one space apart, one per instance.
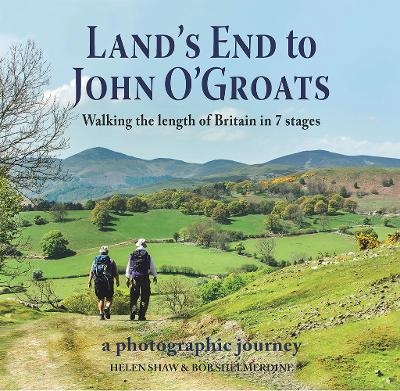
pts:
pixel 294 213
pixel 238 207
pixel 220 213
pixel 58 212
pixel 266 248
pixel 117 203
pixel 273 224
pixel 32 123
pixel 90 204
pixel 54 245
pixel 239 248
pixel 42 293
pixel 100 215
pixel 343 192
pixel 336 202
pixel 350 205
pixel 324 221
pixel 137 204
pixel 279 207
pixel 10 206
pixel 320 208
pixel 307 206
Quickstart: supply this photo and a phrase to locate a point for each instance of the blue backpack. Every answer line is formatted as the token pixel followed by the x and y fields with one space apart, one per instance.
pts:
pixel 102 267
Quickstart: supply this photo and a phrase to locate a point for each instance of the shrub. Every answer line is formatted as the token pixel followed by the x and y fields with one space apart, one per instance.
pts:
pixel 39 220
pixel 25 223
pixel 344 193
pixel 211 290
pixel 387 182
pixel 178 295
pixel 344 229
pixel 85 302
pixel 386 222
pixel 367 221
pixel 54 245
pixel 393 238
pixel 231 284
pixel 239 248
pixel 366 241
pixel 248 267
pixel 58 211
pixel 37 275
pixel 367 231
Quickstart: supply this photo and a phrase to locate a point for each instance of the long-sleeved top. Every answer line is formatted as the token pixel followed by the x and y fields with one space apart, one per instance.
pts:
pixel 129 266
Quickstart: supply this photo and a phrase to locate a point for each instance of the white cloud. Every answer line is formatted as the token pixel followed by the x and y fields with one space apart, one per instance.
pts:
pixel 226 112
pixel 223 133
pixel 351 146
pixel 6 41
pixel 66 93
pixel 214 134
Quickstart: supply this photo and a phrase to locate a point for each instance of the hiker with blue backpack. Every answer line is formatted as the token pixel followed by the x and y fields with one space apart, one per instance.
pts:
pixel 139 266
pixel 104 271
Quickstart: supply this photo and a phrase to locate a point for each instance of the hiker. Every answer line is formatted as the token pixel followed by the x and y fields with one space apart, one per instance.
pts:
pixel 104 271
pixel 140 265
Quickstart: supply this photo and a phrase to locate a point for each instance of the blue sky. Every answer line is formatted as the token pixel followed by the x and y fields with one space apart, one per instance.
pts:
pixel 357 47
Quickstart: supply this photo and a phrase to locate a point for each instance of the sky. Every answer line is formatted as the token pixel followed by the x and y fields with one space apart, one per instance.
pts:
pixel 356 46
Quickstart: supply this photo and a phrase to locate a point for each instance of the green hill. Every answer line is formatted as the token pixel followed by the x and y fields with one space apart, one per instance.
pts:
pixel 97 172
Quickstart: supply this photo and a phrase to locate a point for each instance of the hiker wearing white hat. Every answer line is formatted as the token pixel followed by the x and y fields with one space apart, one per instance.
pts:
pixel 139 266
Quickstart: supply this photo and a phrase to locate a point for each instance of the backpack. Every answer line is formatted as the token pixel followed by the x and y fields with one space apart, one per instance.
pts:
pixel 140 263
pixel 102 267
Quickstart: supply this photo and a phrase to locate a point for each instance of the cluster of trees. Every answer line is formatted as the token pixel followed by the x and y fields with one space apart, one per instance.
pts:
pixel 187 201
pixel 295 211
pixel 214 201
pixel 207 234
pixel 40 204
pixel 100 214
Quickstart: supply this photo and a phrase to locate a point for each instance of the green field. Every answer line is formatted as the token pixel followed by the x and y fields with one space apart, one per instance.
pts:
pixel 81 234
pixel 343 312
pixel 208 261
pixel 290 247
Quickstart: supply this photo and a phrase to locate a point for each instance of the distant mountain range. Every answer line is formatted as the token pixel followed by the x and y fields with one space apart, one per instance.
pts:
pixel 97 172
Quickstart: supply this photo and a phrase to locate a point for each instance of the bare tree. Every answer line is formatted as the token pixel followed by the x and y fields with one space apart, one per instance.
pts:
pixel 41 293
pixel 32 123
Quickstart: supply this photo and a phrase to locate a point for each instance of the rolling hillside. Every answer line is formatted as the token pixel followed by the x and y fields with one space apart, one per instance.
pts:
pixel 342 313
pixel 97 172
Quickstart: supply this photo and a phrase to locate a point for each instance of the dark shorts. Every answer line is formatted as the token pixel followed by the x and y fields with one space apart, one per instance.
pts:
pixel 104 288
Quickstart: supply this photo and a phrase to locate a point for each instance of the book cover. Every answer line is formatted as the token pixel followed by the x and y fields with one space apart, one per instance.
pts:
pixel 199 195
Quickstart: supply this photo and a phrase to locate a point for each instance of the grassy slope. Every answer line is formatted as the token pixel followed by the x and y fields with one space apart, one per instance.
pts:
pixel 344 312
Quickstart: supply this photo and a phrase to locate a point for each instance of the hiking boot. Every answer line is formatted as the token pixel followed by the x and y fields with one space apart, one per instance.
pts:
pixel 107 312
pixel 142 318
pixel 102 317
pixel 132 316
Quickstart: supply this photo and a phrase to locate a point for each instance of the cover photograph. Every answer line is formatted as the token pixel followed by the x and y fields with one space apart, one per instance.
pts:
pixel 199 195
